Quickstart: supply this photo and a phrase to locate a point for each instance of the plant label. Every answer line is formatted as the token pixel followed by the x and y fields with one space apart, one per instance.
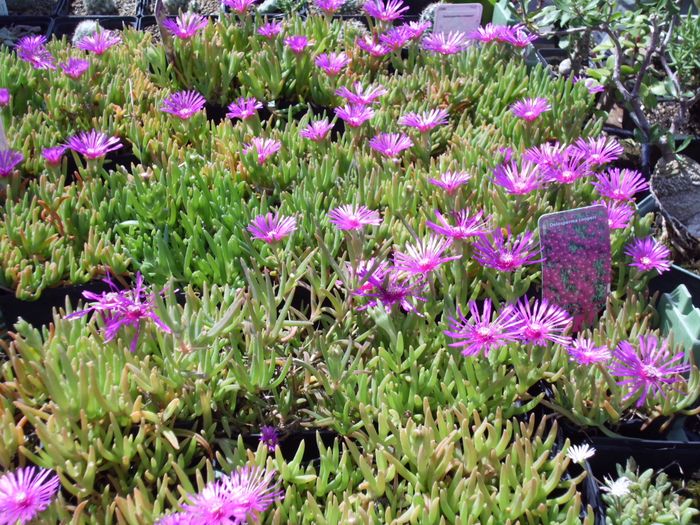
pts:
pixel 457 17
pixel 576 263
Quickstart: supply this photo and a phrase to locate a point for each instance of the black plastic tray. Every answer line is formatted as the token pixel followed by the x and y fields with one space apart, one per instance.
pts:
pixel 65 25
pixel 43 22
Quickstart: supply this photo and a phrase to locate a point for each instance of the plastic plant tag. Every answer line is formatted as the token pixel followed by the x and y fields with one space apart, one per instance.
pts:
pixel 576 261
pixel 457 17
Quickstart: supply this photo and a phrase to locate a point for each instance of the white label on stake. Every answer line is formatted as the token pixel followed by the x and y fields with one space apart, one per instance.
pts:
pixel 457 17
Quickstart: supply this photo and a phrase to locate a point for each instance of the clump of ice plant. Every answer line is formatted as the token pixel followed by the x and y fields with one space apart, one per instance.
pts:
pixel 518 180
pixel 270 30
pixel 316 131
pixel 9 159
pixel 93 144
pixel 272 228
pixel 186 25
pixel 183 104
pixel 264 148
pixel 425 121
pixel 584 351
pixel 599 151
pixel 25 493
pixel 391 145
pixel 32 49
pixel 244 108
pixel 451 181
pixel 465 224
pixel 620 184
pixel 648 254
pixel 131 307
pixel 506 253
pixel 385 10
pixel 424 256
pixel 542 322
pixel 354 115
pixel 361 96
pixel 484 331
pixel 99 42
pixel 332 63
pixel 353 217
pixel 75 67
pixel 446 44
pixel 530 108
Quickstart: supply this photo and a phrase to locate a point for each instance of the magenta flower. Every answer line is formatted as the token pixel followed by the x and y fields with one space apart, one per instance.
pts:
pixel 355 115
pixel 620 184
pixel 386 11
pixel 573 166
pixel 506 152
pixel 451 181
pixel 417 28
pixel 4 97
pixel 352 217
pixel 370 45
pixel 391 144
pixel 54 155
pixel 31 49
pixel 648 254
pixel 240 7
pixel 25 493
pixel 93 144
pixel 378 270
pixel 268 436
pixel 361 96
pixel 264 148
pixel 424 256
pixel 317 131
pixel 487 33
pixel 332 63
pixel 186 25
pixel 329 7
pixel 75 67
pixel 647 369
pixel 591 85
pixel 183 104
pixel 530 108
pixel 446 44
pixel 542 322
pixel 465 226
pixel 619 213
pixel 484 331
pixel 516 36
pixel 396 37
pixel 518 180
pixel 392 287
pixel 270 30
pixel 272 228
pixel 426 121
pixel 585 352
pixel 506 254
pixel 599 151
pixel 243 108
pixel 547 156
pixel 99 42
pixel 9 159
pixel 297 43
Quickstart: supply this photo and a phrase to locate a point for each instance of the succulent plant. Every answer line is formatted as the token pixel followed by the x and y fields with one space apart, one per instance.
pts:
pixel 85 28
pixel 101 7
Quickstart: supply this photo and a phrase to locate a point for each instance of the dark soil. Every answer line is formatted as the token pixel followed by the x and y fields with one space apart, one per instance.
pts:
pixel 36 8
pixel 124 8
pixel 10 34
pixel 663 115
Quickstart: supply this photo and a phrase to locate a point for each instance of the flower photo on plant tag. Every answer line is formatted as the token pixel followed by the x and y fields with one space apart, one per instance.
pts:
pixel 576 262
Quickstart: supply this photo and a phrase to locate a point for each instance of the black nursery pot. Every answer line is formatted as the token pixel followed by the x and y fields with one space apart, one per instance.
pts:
pixel 42 22
pixel 65 25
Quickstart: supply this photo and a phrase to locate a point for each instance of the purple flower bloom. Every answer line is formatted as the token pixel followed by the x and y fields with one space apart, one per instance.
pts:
pixel 487 33
pixel 99 42
pixel 25 493
pixel 361 96
pixel 530 108
pixel 390 287
pixel 352 217
pixel 31 49
pixel 451 181
pixel 506 254
pixel 591 85
pixel 316 131
pixel 183 104
pixel 186 25
pixel 482 332
pixel 585 352
pixel 417 28
pixel 355 115
pixel 75 67
pixel 297 43
pixel 240 7
pixel 648 254
pixel 619 213
pixel 370 45
pixel 424 256
pixel 516 36
pixel 123 308
pixel 332 63
pixel 270 29
pixel 272 228
pixel 8 161
pixel 466 225
pixel 426 121
pixel 386 11
pixel 54 155
pixel 647 369
pixel 599 151
pixel 620 184
pixel 390 144
pixel 453 42
pixel 264 148
pixel 547 156
pixel 571 167
pixel 93 144
pixel 243 108
pixel 4 97
pixel 365 269
pixel 396 37
pixel 518 181
pixel 329 7
pixel 268 435
pixel 542 322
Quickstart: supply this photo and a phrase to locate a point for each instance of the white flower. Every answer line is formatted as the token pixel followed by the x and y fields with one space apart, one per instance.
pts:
pixel 580 453
pixel 619 487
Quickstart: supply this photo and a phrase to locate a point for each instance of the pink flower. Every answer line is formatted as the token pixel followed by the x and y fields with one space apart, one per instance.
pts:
pixel 361 96
pixel 373 47
pixel 75 67
pixel 417 28
pixel 585 352
pixel 316 131
pixel 183 104
pixel 547 156
pixel 378 270
pixel 466 225
pixel 599 151
pixel 263 147
pixel 620 184
pixel 25 493
pixel 269 436
pixel 396 37
pixel 391 287
pixel 185 25
pixel 487 33
pixel 9 159
pixel 571 167
pixel 297 43
pixel 99 42
pixel 424 256
pixel 272 228
pixel 453 42
pixel 352 217
pixel 54 155
pixel 355 115
pixel 482 332
pixel 516 36
pixel 270 30
pixel 426 121
pixel 518 180
pixel 243 108
pixel 619 213
pixel 31 49
pixel 648 254
pixel 530 108
pixel 240 7
pixel 591 85
pixel 506 254
pixel 93 144
pixel 332 63
pixel 386 11
pixel 391 144
pixel 329 7
pixel 649 369
pixel 542 322
pixel 4 97
pixel 451 181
